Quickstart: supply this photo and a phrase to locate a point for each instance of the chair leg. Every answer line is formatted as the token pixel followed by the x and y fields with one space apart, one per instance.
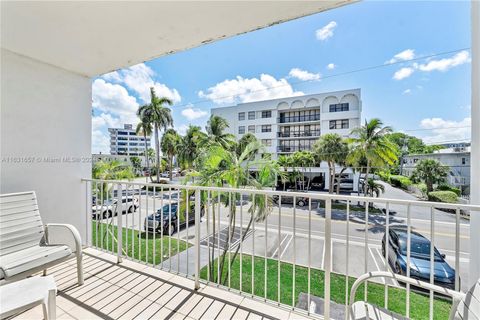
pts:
pixel 44 272
pixel 80 269
pixel 52 304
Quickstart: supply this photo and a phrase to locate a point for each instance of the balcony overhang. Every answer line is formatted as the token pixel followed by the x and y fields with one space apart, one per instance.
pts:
pixel 92 38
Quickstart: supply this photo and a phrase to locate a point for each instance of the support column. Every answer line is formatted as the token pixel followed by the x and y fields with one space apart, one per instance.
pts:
pixel 475 149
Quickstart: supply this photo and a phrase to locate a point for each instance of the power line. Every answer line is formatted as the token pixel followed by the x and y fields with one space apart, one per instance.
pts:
pixel 327 77
pixel 444 128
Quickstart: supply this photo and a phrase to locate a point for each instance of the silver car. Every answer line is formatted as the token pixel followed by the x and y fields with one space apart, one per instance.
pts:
pixel 112 208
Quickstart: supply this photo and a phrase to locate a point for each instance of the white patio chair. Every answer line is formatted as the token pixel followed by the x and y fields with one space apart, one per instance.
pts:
pixel 464 306
pixel 26 245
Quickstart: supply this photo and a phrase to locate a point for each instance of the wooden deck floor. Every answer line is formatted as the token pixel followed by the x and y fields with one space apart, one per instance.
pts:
pixel 134 291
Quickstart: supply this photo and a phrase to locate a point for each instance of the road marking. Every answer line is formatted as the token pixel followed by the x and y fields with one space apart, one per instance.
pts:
pixel 375 261
pixel 275 252
pixel 286 246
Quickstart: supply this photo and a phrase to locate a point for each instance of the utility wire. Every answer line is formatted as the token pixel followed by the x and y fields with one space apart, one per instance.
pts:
pixel 327 77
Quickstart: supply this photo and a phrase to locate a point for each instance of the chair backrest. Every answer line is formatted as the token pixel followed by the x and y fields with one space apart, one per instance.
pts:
pixel 469 306
pixel 20 223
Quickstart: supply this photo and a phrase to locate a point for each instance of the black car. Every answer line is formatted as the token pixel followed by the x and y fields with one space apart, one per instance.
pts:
pixel 153 223
pixel 420 247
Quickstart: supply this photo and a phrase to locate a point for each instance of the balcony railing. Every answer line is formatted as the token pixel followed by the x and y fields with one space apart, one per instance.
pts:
pixel 298 134
pixel 294 249
pixel 292 148
pixel 304 118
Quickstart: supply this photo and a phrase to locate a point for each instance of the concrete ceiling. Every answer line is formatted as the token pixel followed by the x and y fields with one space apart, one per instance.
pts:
pixel 92 38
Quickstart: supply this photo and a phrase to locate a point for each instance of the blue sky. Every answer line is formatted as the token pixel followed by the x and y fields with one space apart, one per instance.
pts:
pixel 316 54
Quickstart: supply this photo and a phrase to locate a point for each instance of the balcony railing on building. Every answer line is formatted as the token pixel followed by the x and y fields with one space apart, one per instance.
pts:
pixel 293 148
pixel 298 134
pixel 304 118
pixel 278 246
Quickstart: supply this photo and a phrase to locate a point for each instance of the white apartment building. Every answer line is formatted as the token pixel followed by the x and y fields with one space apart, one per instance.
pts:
pixel 457 159
pixel 126 142
pixel 293 124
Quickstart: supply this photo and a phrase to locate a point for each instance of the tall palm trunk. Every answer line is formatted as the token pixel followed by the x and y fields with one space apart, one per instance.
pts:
pixel 170 163
pixel 340 175
pixel 366 179
pixel 147 162
pixel 157 147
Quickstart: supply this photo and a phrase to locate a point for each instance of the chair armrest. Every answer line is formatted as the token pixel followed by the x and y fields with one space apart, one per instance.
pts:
pixel 456 296
pixel 65 234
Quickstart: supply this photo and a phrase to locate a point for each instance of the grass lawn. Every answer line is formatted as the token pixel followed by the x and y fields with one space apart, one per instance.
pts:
pixel 137 244
pixel 419 304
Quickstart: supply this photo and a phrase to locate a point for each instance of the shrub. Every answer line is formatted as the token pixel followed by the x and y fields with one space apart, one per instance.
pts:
pixel 443 196
pixel 400 181
pixel 384 176
pixel 422 187
pixel 446 187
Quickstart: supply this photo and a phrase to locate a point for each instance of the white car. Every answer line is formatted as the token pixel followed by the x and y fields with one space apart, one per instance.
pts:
pixel 112 208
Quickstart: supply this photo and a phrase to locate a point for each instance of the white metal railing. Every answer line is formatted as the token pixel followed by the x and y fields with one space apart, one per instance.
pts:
pixel 248 233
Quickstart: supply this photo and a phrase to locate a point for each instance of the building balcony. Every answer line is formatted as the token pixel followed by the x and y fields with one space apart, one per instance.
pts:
pixel 288 149
pixel 305 118
pixel 299 134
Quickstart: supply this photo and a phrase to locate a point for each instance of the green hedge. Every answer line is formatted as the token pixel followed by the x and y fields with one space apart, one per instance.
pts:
pixel 446 187
pixel 400 181
pixel 443 196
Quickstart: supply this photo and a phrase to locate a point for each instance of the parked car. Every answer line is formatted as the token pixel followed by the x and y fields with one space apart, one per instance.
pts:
pixel 111 207
pixel 300 201
pixel 317 183
pixel 420 247
pixel 345 184
pixel 153 223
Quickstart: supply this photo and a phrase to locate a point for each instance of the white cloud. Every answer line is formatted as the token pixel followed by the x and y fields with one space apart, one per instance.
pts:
pixel 326 32
pixel 182 130
pixel 403 73
pixel 140 78
pixel 303 74
pixel 407 54
pixel 331 66
pixel 446 63
pixel 446 130
pixel 407 91
pixel 100 142
pixel 247 90
pixel 193 113
pixel 114 99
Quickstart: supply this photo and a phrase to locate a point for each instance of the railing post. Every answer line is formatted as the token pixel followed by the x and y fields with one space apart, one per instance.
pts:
pixel 197 238
pixel 119 223
pixel 328 256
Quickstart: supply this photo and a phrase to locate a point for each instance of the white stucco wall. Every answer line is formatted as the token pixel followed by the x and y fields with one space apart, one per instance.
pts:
pixel 46 136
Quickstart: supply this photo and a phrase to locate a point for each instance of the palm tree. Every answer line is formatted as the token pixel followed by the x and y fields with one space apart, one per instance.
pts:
pixel 189 147
pixel 223 167
pixel 371 144
pixel 284 162
pixel 144 127
pixel 113 170
pixel 374 188
pixel 170 143
pixel 431 172
pixel 160 116
pixel 330 148
pixel 244 141
pixel 215 128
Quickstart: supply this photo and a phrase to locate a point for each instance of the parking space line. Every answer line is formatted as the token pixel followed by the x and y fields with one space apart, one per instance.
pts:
pixel 287 245
pixel 276 250
pixel 375 261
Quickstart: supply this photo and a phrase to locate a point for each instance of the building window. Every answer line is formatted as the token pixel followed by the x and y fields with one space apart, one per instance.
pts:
pixel 267 142
pixel 241 130
pixel 267 114
pixel 339 124
pixel 251 129
pixel 464 160
pixel 241 116
pixel 251 115
pixel 266 128
pixel 338 107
